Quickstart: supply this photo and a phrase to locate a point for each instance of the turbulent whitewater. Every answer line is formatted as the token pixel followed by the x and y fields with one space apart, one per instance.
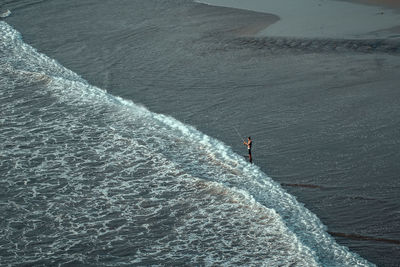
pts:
pixel 90 178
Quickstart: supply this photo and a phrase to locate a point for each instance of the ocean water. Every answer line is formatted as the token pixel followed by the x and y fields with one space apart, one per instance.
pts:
pixel 119 141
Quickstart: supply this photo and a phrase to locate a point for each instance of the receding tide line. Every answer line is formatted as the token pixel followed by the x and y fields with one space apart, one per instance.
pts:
pixel 366 238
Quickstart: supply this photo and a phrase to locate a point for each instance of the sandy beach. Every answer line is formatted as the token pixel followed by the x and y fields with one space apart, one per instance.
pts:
pixel 383 3
pixel 327 19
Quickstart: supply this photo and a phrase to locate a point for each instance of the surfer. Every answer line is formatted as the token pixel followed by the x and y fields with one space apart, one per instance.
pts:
pixel 248 144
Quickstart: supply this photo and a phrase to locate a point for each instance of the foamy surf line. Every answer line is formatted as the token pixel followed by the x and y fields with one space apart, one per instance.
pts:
pixel 196 177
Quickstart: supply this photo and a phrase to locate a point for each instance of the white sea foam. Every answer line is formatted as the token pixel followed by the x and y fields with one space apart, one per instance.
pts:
pixel 5 14
pixel 111 183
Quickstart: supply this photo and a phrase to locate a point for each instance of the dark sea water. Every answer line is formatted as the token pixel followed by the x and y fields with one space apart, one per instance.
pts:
pixel 119 139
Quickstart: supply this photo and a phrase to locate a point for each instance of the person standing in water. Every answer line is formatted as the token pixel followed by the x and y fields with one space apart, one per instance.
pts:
pixel 249 144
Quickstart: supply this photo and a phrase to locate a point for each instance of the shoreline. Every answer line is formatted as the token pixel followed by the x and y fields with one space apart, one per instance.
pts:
pixel 247 22
pixel 316 19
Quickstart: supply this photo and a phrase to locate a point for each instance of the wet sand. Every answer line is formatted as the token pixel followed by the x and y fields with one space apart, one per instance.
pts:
pixel 383 3
pixel 317 19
